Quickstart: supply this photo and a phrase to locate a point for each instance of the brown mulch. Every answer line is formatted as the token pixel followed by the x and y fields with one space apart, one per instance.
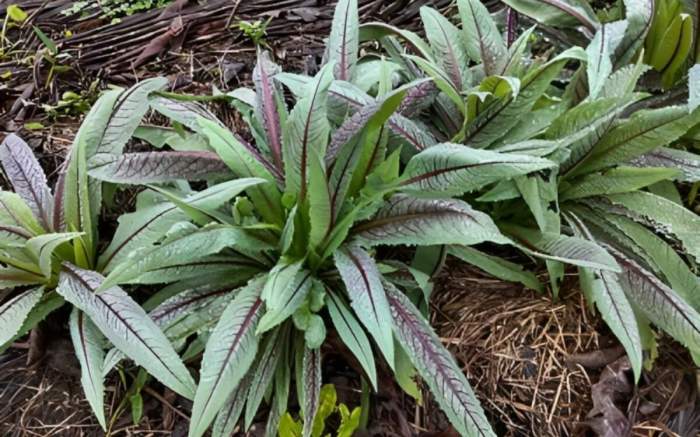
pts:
pixel 533 361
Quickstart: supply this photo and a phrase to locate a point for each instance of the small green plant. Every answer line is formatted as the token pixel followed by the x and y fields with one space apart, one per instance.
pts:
pixel 256 30
pixel 114 10
pixel 328 406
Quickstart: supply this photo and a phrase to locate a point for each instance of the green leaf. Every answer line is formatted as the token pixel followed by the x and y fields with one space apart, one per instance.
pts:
pixel 245 164
pixel 343 41
pixel 639 16
pixel 416 221
pixel 127 326
pixel 375 31
pixel 686 164
pixel 87 343
pixel 14 312
pixel 263 374
pixel 454 169
pixel 42 248
pixel 306 132
pixel 352 334
pixel 600 53
pixel 694 88
pixel 616 180
pixel 363 283
pixel 285 291
pixel 481 37
pixel 320 207
pixel 664 215
pixel 226 420
pixel 16 13
pixel 311 383
pixel 445 42
pixel 437 367
pixel 641 133
pixel 48 42
pixel 16 213
pixel 229 354
pixel 496 267
pixel 179 251
pixel 563 248
pixel 558 13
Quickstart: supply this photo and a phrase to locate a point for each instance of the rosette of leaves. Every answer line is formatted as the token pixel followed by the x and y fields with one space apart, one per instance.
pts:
pixel 611 206
pixel 49 246
pixel 306 239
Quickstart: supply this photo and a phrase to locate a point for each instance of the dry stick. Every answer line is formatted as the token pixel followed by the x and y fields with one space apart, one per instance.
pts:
pixel 165 402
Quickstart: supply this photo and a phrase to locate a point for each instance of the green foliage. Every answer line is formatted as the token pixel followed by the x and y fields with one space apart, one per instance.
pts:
pixel 601 203
pixel 256 30
pixel 349 420
pixel 114 10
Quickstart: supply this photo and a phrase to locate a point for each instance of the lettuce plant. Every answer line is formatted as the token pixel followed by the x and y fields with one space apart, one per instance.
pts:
pixel 610 205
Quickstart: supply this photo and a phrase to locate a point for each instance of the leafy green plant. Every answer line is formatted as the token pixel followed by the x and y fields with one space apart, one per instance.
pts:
pixel 668 45
pixel 49 242
pixel 610 205
pixel 349 420
pixel 256 31
pixel 324 190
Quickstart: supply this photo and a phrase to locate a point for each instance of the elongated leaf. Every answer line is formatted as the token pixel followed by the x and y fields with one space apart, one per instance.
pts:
pixel 43 246
pixel 87 342
pixel 616 180
pixel 413 221
pixel 694 88
pixel 265 369
pixel 27 177
pixel 600 53
pixel 229 353
pixel 306 131
pixel 146 225
pixel 659 302
pixel 127 326
pixel 363 283
pixel 181 250
pixel 456 169
pixel 603 288
pixel 180 141
pixel 226 420
pixel 13 236
pixel 640 134
pixel 149 167
pixel 15 212
pixel 563 248
pixel 481 36
pixel 418 98
pixel 266 97
pixel 15 311
pixel 501 115
pixel 284 294
pixel 245 163
pixel 343 42
pixel 444 40
pixel 559 13
pixel 126 115
pixel 639 15
pixel 664 215
pixel 311 380
pixel 686 164
pixel 437 367
pixel 81 196
pixel 497 267
pixel 320 203
pixel 353 335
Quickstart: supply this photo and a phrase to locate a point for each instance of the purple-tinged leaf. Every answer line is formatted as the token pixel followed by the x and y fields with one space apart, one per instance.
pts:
pixel 11 277
pixel 15 311
pixel 184 112
pixel 229 353
pixel 445 43
pixel 639 16
pixel 558 13
pixel 264 373
pixel 413 221
pixel 58 218
pixel 311 375
pixel 481 37
pixel 350 127
pixel 418 98
pixel 87 343
pixel 127 326
pixel 306 131
pixel 27 177
pixel 149 167
pixel 659 303
pixel 437 367
pixel 686 162
pixel 457 169
pixel 13 236
pixel 363 283
pixel 227 419
pixel 266 96
pixel 343 42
